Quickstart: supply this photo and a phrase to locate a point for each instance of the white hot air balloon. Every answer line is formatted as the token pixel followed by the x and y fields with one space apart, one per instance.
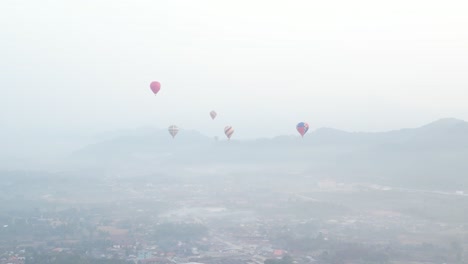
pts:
pixel 173 130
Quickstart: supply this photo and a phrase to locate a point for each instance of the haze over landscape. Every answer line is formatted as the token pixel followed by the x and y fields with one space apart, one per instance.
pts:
pixel 357 66
pixel 89 173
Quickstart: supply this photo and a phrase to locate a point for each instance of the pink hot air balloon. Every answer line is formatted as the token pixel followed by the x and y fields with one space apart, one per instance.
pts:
pixel 155 87
pixel 213 114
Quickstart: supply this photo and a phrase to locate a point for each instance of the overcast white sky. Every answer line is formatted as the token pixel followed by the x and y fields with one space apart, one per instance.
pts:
pixel 264 65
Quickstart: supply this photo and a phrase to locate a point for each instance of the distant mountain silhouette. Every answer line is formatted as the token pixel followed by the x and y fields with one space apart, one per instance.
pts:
pixel 434 154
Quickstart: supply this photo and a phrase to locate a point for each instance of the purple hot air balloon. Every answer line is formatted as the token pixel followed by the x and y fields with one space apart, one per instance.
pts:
pixel 213 114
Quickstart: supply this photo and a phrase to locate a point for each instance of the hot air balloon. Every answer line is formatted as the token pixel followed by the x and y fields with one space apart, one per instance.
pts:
pixel 155 87
pixel 173 130
pixel 213 114
pixel 228 131
pixel 302 128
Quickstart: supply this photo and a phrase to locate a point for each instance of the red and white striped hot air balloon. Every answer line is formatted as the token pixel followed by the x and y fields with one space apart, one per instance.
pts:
pixel 228 131
pixel 213 114
pixel 173 130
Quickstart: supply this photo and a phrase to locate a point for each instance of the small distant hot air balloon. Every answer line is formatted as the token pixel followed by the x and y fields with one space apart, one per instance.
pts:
pixel 228 131
pixel 155 87
pixel 302 128
pixel 173 130
pixel 213 114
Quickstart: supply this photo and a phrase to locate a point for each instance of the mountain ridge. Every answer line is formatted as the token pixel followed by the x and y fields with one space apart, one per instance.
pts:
pixel 434 154
pixel 438 125
pixel 436 136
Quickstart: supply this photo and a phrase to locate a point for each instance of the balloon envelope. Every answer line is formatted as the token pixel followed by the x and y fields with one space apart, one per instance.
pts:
pixel 302 128
pixel 213 114
pixel 228 130
pixel 155 87
pixel 173 130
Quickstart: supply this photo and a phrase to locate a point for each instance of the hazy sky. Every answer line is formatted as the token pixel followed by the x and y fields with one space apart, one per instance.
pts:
pixel 264 65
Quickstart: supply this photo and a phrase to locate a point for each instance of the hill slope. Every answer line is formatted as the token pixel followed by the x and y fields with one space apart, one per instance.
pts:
pixel 432 155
